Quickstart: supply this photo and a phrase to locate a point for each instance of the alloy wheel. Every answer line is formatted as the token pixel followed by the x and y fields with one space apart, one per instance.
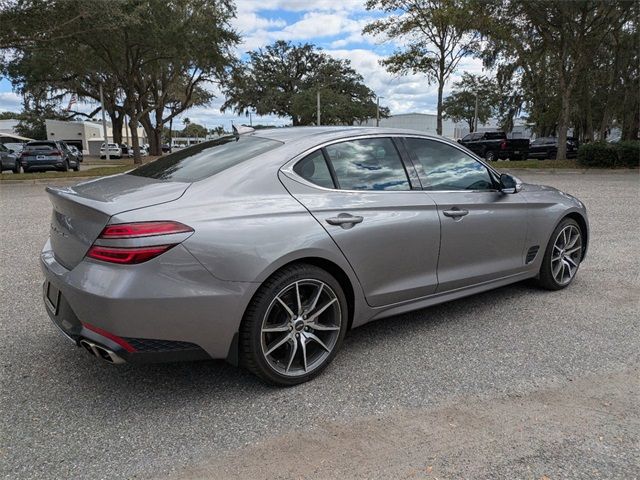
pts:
pixel 301 327
pixel 565 257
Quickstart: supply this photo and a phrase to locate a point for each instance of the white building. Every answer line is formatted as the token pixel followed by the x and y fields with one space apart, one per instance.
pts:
pixel 427 122
pixel 86 135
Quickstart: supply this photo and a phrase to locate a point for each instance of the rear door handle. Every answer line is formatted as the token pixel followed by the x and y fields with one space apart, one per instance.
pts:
pixel 344 219
pixel 455 212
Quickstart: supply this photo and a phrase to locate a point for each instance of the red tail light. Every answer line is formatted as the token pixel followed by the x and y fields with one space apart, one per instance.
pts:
pixel 55 153
pixel 126 256
pixel 133 255
pixel 143 229
pixel 503 145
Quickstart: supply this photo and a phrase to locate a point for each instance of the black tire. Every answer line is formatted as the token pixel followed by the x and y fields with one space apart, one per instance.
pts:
pixel 16 168
pixel 490 156
pixel 250 344
pixel 65 166
pixel 77 167
pixel 546 278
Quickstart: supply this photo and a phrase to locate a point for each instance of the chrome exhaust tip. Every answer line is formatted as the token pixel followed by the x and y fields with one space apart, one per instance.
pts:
pixel 101 352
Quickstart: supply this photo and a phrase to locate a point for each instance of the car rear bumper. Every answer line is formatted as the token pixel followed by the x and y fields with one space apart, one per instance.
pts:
pixel 167 309
pixel 43 164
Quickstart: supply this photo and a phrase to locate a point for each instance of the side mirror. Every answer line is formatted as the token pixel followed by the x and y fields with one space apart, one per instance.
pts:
pixel 509 183
pixel 460 141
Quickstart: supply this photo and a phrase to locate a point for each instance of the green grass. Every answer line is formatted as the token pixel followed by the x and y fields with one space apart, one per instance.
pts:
pixel 94 172
pixel 543 164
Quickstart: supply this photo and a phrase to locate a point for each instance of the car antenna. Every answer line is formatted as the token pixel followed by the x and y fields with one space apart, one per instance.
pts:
pixel 241 130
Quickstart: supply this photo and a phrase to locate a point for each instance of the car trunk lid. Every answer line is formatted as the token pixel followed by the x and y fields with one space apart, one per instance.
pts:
pixel 82 211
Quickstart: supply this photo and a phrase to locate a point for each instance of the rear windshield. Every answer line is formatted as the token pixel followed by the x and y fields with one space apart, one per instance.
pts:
pixel 39 145
pixel 494 135
pixel 205 159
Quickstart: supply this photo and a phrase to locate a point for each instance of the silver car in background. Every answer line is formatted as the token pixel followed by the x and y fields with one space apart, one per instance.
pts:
pixel 266 248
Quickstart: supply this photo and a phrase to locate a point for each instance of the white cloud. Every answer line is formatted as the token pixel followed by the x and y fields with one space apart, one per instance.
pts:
pixel 10 102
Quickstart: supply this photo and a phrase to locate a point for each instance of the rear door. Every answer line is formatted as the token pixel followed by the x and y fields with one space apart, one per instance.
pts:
pixel 483 231
pixel 387 228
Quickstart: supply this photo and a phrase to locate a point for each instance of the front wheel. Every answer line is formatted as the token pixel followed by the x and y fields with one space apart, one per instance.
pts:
pixel 16 168
pixel 294 325
pixel 562 256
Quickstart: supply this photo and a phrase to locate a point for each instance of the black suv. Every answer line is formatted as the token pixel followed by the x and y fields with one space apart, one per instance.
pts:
pixel 48 155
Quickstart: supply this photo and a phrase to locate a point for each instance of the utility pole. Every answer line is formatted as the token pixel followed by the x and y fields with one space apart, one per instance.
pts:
pixel 475 115
pixel 378 111
pixel 104 126
pixel 318 107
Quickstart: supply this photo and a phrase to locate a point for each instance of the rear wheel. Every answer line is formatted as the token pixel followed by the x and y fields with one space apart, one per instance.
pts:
pixel 16 168
pixel 65 166
pixel 562 256
pixel 77 167
pixel 490 155
pixel 294 325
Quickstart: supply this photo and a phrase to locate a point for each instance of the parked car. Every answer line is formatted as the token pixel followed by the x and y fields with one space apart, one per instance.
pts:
pixel 114 151
pixel 48 155
pixel 265 248
pixel 143 151
pixel 8 160
pixel 495 145
pixel 547 147
pixel 166 148
pixel 77 152
pixel 125 149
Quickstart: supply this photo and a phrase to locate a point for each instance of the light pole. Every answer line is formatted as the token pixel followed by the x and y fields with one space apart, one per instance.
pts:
pixel 475 115
pixel 378 111
pixel 318 108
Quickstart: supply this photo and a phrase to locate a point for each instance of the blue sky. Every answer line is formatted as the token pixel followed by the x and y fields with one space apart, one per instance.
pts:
pixel 334 25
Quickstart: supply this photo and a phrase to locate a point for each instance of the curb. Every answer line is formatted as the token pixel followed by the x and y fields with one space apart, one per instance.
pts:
pixel 46 181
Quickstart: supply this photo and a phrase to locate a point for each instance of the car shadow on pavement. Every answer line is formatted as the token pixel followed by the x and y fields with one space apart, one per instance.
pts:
pixel 184 380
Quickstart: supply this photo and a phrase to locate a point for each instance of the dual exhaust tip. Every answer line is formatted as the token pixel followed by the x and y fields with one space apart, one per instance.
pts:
pixel 101 352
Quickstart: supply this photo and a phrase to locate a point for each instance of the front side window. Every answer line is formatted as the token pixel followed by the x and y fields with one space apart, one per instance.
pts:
pixel 444 167
pixel 314 169
pixel 368 164
pixel 205 159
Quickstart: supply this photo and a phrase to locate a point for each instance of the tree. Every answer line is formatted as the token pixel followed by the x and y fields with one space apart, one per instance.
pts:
pixel 283 79
pixel 548 47
pixel 436 35
pixel 194 130
pixel 154 57
pixel 460 105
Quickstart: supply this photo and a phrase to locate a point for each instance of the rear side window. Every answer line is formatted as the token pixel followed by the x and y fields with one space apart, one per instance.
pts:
pixel 368 164
pixel 205 159
pixel 444 167
pixel 314 169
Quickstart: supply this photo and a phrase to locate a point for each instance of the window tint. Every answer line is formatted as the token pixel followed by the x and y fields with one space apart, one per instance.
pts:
pixel 538 141
pixel 205 159
pixel 40 145
pixel 368 164
pixel 314 169
pixel 467 137
pixel 495 135
pixel 444 167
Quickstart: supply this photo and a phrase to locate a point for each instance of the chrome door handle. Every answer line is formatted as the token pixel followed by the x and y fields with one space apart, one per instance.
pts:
pixel 344 219
pixel 455 212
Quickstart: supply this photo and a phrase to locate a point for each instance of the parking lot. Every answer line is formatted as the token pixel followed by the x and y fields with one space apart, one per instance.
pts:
pixel 513 383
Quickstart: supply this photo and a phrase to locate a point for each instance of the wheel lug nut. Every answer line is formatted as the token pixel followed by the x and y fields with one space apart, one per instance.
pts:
pixel 297 335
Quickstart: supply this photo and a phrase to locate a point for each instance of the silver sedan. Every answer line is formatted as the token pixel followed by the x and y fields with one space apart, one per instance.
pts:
pixel 266 248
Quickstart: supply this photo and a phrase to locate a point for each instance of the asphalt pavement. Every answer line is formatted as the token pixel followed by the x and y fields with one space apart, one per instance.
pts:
pixel 513 383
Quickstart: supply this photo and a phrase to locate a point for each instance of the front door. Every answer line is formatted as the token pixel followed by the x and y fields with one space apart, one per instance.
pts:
pixel 359 191
pixel 483 230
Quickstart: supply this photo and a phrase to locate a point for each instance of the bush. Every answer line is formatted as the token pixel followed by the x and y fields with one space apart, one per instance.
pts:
pixel 628 154
pixel 597 154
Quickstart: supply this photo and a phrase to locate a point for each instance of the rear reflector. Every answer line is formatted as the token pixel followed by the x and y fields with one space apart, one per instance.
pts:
pixel 126 256
pixel 114 338
pixel 143 229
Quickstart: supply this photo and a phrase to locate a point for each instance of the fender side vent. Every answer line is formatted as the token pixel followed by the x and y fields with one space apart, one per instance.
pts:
pixel 531 254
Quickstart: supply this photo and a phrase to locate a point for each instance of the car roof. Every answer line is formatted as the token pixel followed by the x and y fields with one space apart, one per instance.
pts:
pixel 323 134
